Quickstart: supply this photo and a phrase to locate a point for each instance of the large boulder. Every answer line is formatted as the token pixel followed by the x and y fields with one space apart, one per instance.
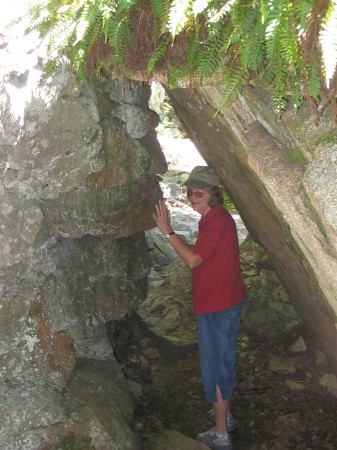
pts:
pixel 78 180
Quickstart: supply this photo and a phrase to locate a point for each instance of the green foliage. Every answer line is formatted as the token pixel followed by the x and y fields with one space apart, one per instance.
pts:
pixel 302 10
pixel 232 80
pixel 228 202
pixel 160 10
pixel 209 58
pixel 263 41
pixel 157 54
pixel 255 48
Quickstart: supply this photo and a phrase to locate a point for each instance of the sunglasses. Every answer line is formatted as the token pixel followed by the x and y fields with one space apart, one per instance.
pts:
pixel 197 194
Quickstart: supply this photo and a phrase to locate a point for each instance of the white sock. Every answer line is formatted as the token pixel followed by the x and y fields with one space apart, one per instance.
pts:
pixel 219 435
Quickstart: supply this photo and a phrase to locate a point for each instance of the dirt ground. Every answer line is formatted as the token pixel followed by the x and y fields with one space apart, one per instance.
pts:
pixel 272 410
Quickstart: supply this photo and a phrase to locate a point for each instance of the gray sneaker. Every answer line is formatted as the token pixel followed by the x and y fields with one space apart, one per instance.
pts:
pixel 231 425
pixel 211 439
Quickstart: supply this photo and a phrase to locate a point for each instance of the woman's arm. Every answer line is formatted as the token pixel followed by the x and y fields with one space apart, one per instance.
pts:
pixel 185 251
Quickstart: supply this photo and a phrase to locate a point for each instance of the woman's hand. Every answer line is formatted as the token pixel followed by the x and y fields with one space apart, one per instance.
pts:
pixel 178 242
pixel 162 217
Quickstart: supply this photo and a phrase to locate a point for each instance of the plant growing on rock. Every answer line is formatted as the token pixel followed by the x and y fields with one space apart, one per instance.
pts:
pixel 288 46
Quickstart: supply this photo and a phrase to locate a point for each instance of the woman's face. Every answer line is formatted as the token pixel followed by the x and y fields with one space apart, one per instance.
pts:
pixel 199 199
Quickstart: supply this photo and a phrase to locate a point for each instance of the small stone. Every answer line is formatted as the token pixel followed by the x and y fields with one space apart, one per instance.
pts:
pixel 291 422
pixel 298 346
pixel 139 426
pixel 329 381
pixel 145 342
pixel 156 283
pixel 295 385
pixel 282 365
pixel 320 357
pixel 250 273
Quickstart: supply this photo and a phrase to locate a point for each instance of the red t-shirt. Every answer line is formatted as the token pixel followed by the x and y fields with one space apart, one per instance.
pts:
pixel 217 282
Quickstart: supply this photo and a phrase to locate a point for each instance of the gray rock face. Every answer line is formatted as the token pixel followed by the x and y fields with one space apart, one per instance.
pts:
pixel 94 412
pixel 78 182
pixel 281 176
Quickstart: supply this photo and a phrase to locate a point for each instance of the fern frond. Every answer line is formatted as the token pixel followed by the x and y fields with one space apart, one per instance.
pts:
pixel 328 41
pixel 160 10
pixel 232 80
pixel 255 48
pixel 296 90
pixel 118 35
pixel 302 10
pixel 44 17
pixel 199 6
pixel 272 25
pixel 281 102
pixel 87 31
pixel 178 16
pixel 157 54
pixel 243 18
pixel 208 61
pixel 313 81
pixel 177 73
pixel 107 21
pixel 193 52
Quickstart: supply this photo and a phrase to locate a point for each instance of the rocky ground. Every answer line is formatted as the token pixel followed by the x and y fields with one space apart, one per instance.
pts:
pixel 275 406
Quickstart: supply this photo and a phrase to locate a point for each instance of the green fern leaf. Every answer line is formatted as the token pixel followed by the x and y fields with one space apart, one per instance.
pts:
pixel 302 10
pixel 160 10
pixel 272 24
pixel 243 18
pixel 157 54
pixel 118 35
pixel 232 80
pixel 255 49
pixel 281 103
pixel 177 73
pixel 297 96
pixel 208 60
pixel 313 82
pixel 193 52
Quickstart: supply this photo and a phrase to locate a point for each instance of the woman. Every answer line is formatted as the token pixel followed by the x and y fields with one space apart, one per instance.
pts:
pixel 217 293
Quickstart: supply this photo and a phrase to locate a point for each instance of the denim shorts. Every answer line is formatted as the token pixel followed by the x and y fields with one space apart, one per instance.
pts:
pixel 217 344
